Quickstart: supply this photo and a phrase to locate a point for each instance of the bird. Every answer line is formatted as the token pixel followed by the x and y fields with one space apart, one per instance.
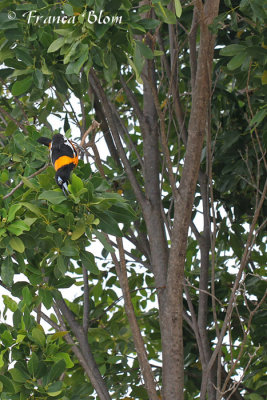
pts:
pixel 64 157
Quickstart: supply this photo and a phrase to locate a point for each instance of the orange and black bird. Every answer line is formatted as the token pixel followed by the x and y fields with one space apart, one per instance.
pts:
pixel 64 157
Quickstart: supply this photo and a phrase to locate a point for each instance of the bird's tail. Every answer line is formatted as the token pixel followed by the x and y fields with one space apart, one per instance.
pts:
pixel 63 185
pixel 65 189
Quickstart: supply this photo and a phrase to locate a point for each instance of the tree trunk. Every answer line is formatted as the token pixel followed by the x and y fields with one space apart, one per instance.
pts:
pixel 172 333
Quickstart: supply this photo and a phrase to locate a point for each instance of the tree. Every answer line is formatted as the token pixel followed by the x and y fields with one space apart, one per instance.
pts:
pixel 176 92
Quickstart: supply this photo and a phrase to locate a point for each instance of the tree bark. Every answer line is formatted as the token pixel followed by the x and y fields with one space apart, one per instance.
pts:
pixel 172 335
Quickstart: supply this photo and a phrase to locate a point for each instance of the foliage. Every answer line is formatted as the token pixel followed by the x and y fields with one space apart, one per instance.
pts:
pixel 67 68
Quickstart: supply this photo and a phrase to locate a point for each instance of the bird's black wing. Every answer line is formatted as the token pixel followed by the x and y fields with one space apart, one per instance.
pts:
pixel 63 149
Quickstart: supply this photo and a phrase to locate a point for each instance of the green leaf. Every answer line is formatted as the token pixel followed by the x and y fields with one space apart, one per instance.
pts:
pixel 2 363
pixel 33 208
pixel 76 184
pixel 60 209
pixel 58 335
pixel 111 67
pixel 17 244
pixel 145 50
pixel 9 303
pixel 65 357
pixel 75 67
pixel 54 389
pixel 46 297
pixel 178 8
pixel 33 364
pixel 103 240
pixel 61 265
pixel 264 78
pixel 12 211
pixel 23 55
pixel 19 375
pixel 4 176
pixel 68 10
pixel 38 336
pixel 56 370
pixel 165 14
pixel 7 384
pixel 236 61
pixel 29 221
pixel 70 250
pixel 18 227
pixel 254 396
pixel 149 23
pixel 108 224
pixel 20 338
pixel 27 296
pixel 88 261
pixel 79 230
pixel 136 70
pixel 232 50
pixel 28 183
pixel 56 44
pixel 138 62
pixel 7 338
pixel 137 27
pixel 54 197
pixel 7 272
pixel 258 118
pixel 22 86
pixel 38 79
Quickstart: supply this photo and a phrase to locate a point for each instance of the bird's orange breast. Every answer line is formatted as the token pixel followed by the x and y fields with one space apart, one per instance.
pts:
pixel 65 160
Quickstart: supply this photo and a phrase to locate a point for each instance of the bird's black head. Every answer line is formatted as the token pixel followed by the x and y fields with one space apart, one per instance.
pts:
pixel 57 140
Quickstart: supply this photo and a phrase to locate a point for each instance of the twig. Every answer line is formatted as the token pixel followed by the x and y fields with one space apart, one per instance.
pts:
pixel 163 137
pixel 19 103
pixel 137 337
pixel 248 248
pixel 242 347
pixel 98 90
pixel 85 300
pixel 19 125
pixel 21 182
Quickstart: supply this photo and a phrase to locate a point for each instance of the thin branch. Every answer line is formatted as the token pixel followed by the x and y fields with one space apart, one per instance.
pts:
pixel 84 350
pixel 133 101
pixel 242 346
pixel 71 113
pixel 246 254
pixel 137 337
pixel 124 131
pixel 113 126
pixel 163 136
pixel 118 300
pixel 19 103
pixel 195 326
pixel 85 300
pixel 19 125
pixel 92 129
pixel 21 183
pixel 192 47
pixel 100 116
pixel 36 310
